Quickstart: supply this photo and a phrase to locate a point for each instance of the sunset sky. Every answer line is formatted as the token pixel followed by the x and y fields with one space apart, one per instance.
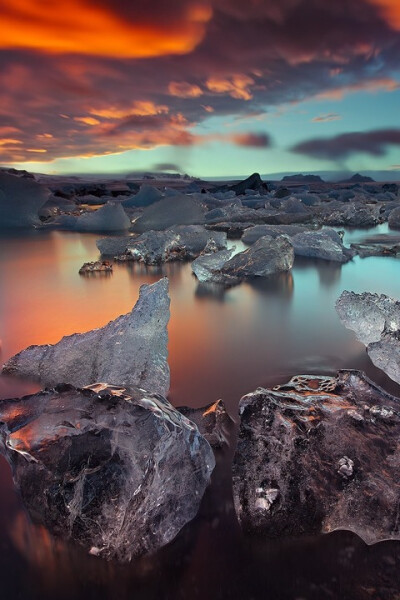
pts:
pixel 212 88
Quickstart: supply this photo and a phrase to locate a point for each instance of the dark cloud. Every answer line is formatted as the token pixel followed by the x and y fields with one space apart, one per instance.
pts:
pixel 344 145
pixel 252 140
pixel 167 167
pixel 245 56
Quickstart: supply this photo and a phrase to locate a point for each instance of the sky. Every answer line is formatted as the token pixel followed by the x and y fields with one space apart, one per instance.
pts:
pixel 208 87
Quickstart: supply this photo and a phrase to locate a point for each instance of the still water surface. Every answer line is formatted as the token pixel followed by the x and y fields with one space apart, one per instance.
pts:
pixel 221 345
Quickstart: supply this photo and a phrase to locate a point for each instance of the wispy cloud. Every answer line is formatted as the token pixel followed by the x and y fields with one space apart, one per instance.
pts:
pixel 374 143
pixel 326 118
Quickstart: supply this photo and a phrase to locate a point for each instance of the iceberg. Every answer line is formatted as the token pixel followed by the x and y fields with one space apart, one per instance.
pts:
pixel 20 201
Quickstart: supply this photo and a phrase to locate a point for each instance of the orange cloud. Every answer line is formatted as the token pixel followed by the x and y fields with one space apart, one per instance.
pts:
pixel 390 10
pixel 9 142
pixel 237 87
pixel 85 27
pixel 184 90
pixel 373 85
pixel 139 108
pixel 87 120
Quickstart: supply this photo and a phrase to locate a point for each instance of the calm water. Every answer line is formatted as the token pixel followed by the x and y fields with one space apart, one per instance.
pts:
pixel 221 345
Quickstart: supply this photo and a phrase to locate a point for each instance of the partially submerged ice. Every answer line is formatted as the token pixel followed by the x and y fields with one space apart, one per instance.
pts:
pixel 375 319
pixel 120 473
pixel 325 244
pixel 207 266
pixel 170 211
pixel 266 257
pixel 319 454
pixel 110 217
pixel 129 351
pixel 146 196
pixel 20 201
pixel 182 242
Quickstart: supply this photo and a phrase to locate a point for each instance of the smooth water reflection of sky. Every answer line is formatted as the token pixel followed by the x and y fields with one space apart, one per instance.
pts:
pixel 221 343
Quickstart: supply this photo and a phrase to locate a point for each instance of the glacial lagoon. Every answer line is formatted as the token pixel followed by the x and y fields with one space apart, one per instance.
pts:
pixel 222 344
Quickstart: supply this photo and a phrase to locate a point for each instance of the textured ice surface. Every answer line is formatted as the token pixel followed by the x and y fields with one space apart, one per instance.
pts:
pixel 110 217
pixel 319 454
pixel 147 195
pixel 252 234
pixel 170 211
pixel 119 473
pixel 129 351
pixel 375 319
pixel 394 218
pixel 213 421
pixel 112 246
pixel 177 243
pixel 266 257
pixel 20 200
pixel 206 267
pixel 325 244
pixel 368 314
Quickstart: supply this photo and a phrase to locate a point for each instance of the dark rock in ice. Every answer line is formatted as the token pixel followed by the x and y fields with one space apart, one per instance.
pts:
pixel 168 212
pixel 282 192
pixel 20 201
pixel 394 218
pixel 300 178
pixel 325 244
pixel 393 188
pixel 357 178
pixel 69 190
pixel 254 183
pixel 92 200
pixel 129 351
pixel 183 242
pixel 99 266
pixel 120 472
pixel 375 319
pixel 213 422
pixel 252 234
pixel 316 455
